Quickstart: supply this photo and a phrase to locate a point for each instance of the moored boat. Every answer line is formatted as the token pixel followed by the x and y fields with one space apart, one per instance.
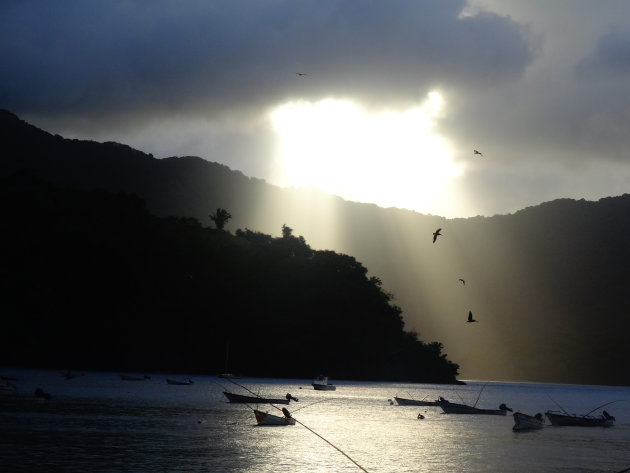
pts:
pixel 565 419
pixel 264 418
pixel 242 399
pixel 526 422
pixel 454 408
pixel 175 382
pixel 413 402
pixel 126 377
pixel 321 383
pixel 229 376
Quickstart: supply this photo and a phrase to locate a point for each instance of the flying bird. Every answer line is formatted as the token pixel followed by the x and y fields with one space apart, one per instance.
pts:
pixel 477 152
pixel 436 234
pixel 470 317
pixel 301 74
pixel 463 282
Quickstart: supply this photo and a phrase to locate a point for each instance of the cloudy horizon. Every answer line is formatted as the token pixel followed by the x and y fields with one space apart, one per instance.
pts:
pixel 541 90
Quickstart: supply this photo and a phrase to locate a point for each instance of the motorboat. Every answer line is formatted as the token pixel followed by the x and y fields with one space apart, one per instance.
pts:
pixel 524 422
pixel 321 383
pixel 566 419
pixel 401 401
pixel 264 418
pixel 243 399
pixel 455 408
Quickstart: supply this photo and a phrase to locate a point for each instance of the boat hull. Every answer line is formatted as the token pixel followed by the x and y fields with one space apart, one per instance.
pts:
pixel 264 418
pixel 557 418
pixel 241 399
pixel 412 402
pixel 524 422
pixel 454 408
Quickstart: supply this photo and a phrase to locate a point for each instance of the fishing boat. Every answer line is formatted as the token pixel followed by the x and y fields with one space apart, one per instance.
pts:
pixel 264 418
pixel 454 408
pixel 586 420
pixel 242 399
pixel 413 402
pixel 175 382
pixel 321 383
pixel 524 422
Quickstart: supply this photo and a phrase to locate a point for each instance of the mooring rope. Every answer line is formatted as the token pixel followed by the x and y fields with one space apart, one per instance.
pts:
pixel 332 445
pixel 305 426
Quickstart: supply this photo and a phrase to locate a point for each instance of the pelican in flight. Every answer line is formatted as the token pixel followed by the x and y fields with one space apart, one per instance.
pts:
pixel 436 234
pixel 301 74
pixel 477 152
pixel 463 281
pixel 470 317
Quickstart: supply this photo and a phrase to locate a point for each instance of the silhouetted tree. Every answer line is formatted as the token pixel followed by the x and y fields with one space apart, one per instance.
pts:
pixel 286 231
pixel 220 218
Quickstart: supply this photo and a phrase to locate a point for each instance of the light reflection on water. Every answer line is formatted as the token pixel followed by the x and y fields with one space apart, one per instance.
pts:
pixel 99 423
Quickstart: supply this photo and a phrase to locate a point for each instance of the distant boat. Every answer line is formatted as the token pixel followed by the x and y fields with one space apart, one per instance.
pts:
pixel 524 422
pixel 562 418
pixel 229 376
pixel 126 377
pixel 454 408
pixel 321 384
pixel 264 418
pixel 413 402
pixel 175 382
pixel 242 399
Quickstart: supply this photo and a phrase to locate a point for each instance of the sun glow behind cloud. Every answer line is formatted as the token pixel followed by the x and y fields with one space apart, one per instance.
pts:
pixel 393 158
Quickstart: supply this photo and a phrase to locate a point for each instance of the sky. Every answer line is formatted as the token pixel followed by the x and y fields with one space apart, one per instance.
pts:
pixel 391 100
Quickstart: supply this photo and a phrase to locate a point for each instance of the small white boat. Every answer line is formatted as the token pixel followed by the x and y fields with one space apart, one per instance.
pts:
pixel 321 384
pixel 264 418
pixel 526 422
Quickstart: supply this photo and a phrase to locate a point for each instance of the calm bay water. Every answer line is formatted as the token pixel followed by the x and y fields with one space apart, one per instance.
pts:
pixel 100 423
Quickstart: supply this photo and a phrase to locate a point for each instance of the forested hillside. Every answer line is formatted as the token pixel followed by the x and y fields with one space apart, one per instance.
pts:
pixel 547 283
pixel 93 280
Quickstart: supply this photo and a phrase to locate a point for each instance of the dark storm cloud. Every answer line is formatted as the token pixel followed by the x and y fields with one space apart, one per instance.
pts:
pixel 611 57
pixel 113 58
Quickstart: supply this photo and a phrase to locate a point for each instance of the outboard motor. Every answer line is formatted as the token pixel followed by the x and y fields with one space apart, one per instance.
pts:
pixel 503 407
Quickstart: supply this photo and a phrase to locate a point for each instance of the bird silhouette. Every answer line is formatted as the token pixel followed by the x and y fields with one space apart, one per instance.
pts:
pixel 463 282
pixel 477 152
pixel 301 74
pixel 436 234
pixel 470 317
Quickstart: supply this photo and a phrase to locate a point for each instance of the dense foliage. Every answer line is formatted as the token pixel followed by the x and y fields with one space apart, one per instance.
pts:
pixel 93 280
